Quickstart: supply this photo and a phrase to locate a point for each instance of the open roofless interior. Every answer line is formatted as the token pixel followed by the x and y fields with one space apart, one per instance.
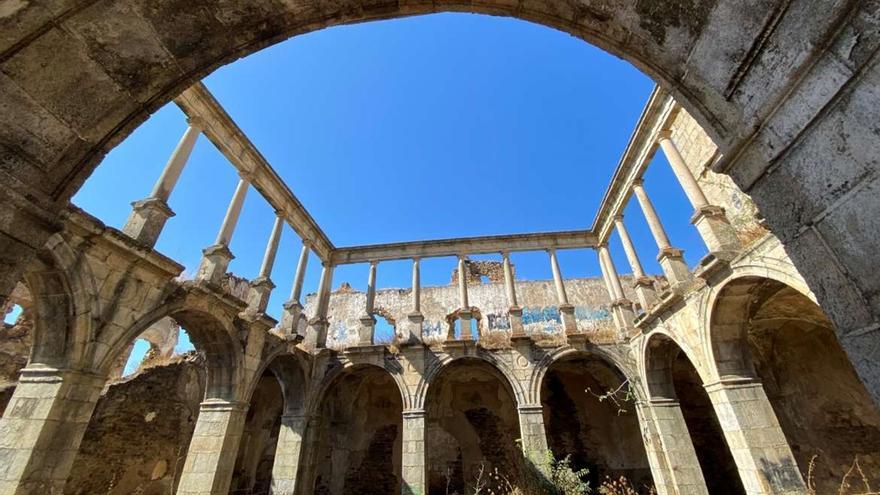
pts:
pixel 719 334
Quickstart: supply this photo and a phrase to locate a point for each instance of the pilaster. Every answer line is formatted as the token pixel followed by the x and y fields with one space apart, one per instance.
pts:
pixel 210 459
pixel 288 454
pixel 413 465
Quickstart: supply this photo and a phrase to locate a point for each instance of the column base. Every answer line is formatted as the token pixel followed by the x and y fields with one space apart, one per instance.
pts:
pixel 290 319
pixel 147 219
pixel 258 295
pixel 464 317
pixel 414 328
pixel 514 313
pixel 645 291
pixel 566 314
pixel 674 267
pixel 316 335
pixel 366 331
pixel 712 224
pixel 625 314
pixel 215 262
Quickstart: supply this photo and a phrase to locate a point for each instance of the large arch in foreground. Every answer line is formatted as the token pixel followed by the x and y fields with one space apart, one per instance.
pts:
pixel 789 96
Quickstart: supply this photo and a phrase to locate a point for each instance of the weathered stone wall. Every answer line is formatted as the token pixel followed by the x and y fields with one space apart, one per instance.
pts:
pixel 136 441
pixel 538 299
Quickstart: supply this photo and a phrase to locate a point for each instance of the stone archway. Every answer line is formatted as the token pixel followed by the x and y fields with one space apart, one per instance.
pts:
pixel 673 379
pixel 765 329
pixel 471 424
pixel 356 446
pixel 590 416
pixel 780 89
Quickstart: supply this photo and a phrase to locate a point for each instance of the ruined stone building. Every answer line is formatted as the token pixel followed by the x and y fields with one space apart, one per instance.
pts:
pixel 726 377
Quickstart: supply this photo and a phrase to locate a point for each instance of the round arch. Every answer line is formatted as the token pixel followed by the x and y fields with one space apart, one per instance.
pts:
pixel 626 371
pixel 317 394
pixel 120 80
pixel 659 350
pixel 209 334
pixel 62 293
pixel 725 314
pixel 504 373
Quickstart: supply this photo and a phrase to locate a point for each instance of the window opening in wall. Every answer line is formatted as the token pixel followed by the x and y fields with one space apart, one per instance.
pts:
pixel 12 315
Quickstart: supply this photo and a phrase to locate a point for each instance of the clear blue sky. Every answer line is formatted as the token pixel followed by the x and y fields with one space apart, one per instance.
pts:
pixel 426 127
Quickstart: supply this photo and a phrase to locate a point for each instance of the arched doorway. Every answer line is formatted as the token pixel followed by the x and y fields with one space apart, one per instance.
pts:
pixel 673 377
pixel 766 329
pixel 256 451
pixel 358 442
pixel 589 415
pixel 471 428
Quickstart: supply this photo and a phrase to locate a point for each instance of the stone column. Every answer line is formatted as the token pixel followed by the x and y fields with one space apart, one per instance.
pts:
pixel 514 310
pixel 465 312
pixel 213 448
pixel 319 324
pixel 608 288
pixel 148 216
pixel 217 257
pixel 643 285
pixel 288 453
pixel 42 428
pixel 759 448
pixel 415 317
pixel 671 259
pixel 293 308
pixel 309 457
pixel 654 450
pixel 368 321
pixel 685 474
pixel 710 220
pixel 261 287
pixel 621 305
pixel 566 310
pixel 413 468
pixel 534 438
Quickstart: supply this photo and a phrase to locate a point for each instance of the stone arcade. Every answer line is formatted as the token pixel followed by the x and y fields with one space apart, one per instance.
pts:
pixel 740 370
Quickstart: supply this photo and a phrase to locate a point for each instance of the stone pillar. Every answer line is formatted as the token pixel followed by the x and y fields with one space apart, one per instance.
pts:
pixel 413 464
pixel 148 216
pixel 534 438
pixel 415 317
pixel 217 257
pixel 759 448
pixel 319 324
pixel 621 305
pixel 654 450
pixel 465 312
pixel 709 220
pixel 261 287
pixel 608 288
pixel 293 308
pixel 566 310
pixel 685 474
pixel 643 285
pixel 514 310
pixel 368 321
pixel 42 428
pixel 309 457
pixel 210 459
pixel 670 258
pixel 288 453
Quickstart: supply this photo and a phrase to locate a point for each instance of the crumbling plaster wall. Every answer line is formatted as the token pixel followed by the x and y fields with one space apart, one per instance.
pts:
pixel 538 299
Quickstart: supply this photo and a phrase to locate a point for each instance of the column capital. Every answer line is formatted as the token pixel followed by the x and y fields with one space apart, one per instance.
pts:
pixel 664 134
pixel 638 182
pixel 197 122
pixel 374 263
